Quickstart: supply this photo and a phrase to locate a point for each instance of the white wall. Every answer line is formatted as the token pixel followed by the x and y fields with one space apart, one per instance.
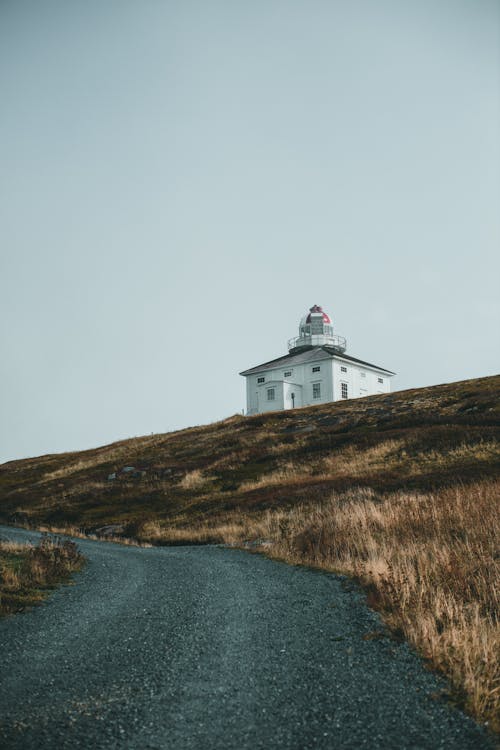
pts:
pixel 296 389
pixel 360 380
pixel 300 382
pixel 323 377
pixel 330 377
pixel 257 395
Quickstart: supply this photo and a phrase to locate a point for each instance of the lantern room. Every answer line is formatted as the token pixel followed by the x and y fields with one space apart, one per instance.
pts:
pixel 316 329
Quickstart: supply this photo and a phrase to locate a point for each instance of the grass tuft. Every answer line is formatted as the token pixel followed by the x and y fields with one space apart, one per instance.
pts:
pixel 28 573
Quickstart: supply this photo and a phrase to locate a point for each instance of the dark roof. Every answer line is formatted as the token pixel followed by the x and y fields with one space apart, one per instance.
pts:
pixel 312 354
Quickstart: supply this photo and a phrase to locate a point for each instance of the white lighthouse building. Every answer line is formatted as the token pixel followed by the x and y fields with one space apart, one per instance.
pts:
pixel 316 370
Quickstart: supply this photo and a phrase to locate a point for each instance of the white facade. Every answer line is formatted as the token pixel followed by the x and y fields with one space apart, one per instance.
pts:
pixel 315 371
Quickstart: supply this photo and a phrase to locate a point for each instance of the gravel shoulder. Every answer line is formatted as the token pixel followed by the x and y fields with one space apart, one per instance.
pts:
pixel 191 647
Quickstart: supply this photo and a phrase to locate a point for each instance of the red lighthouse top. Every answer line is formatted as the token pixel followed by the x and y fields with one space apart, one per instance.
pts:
pixel 316 329
pixel 318 309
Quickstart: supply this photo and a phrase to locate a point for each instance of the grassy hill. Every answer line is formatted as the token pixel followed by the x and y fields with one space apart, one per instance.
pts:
pixel 418 439
pixel 399 491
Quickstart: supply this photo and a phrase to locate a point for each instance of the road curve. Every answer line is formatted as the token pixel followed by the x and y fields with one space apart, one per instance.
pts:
pixel 206 647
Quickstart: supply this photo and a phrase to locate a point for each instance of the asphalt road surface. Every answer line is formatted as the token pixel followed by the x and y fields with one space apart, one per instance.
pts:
pixel 206 647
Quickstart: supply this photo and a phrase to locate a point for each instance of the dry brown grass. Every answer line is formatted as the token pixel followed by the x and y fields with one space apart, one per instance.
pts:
pixel 67 470
pixel 229 530
pixel 27 572
pixel 73 531
pixel 117 452
pixel 400 456
pixel 356 463
pixel 288 473
pixel 194 480
pixel 430 564
pixel 353 463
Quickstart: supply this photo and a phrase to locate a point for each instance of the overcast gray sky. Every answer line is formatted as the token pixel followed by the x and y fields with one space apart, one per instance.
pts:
pixel 181 181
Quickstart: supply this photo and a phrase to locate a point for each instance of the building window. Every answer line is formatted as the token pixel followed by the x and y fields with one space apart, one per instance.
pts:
pixel 261 380
pixel 380 380
pixel 270 394
pixel 287 374
pixel 343 369
pixel 363 374
pixel 317 390
pixel 343 388
pixel 316 369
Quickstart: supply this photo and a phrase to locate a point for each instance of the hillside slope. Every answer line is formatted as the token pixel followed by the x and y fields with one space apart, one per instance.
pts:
pixel 417 439
pixel 399 491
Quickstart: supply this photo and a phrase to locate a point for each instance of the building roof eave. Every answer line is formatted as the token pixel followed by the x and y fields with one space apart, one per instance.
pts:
pixel 312 354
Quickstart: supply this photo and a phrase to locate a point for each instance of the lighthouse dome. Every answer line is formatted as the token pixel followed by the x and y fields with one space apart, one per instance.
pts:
pixel 315 310
pixel 316 329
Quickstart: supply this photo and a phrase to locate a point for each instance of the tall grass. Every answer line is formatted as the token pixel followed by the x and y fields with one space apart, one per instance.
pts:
pixel 27 572
pixel 430 564
pixel 229 530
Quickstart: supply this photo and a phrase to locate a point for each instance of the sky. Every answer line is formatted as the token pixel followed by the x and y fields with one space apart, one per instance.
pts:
pixel 181 181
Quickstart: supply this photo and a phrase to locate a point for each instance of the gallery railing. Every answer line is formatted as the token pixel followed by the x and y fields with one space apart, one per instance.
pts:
pixel 335 341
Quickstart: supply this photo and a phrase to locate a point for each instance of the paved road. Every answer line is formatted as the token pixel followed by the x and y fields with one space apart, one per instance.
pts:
pixel 205 647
